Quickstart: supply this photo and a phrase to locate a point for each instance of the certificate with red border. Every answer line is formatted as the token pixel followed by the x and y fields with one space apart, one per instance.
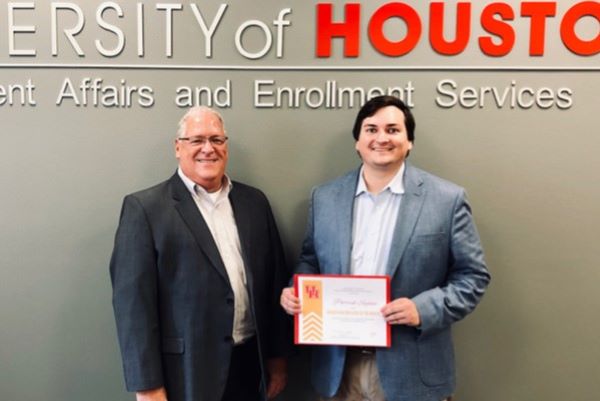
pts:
pixel 342 310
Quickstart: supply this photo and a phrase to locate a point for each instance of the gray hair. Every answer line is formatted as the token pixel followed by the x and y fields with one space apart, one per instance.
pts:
pixel 196 110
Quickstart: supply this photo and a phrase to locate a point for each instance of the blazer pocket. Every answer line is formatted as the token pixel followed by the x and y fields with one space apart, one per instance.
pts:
pixel 436 359
pixel 430 237
pixel 173 345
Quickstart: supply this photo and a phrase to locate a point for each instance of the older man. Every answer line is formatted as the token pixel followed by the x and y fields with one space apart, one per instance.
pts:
pixel 197 269
pixel 390 218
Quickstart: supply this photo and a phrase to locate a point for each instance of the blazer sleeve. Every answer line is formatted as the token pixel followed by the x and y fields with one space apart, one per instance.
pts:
pixel 279 328
pixel 308 263
pixel 467 276
pixel 133 272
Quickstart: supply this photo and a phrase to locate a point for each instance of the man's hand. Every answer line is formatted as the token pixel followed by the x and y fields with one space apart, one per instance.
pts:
pixel 401 311
pixel 277 368
pixel 289 301
pixel 157 394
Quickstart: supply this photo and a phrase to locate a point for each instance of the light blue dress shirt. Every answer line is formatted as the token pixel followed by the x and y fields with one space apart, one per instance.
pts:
pixel 375 217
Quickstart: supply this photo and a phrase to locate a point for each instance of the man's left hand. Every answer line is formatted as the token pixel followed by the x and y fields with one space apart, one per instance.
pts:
pixel 401 311
pixel 277 368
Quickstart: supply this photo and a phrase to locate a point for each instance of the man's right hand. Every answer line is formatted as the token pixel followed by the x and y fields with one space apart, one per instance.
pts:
pixel 157 394
pixel 289 301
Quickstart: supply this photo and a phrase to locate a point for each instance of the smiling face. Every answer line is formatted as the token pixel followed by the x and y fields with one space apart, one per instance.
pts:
pixel 383 140
pixel 204 164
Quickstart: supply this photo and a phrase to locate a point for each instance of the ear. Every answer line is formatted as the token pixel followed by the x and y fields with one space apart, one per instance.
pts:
pixel 177 148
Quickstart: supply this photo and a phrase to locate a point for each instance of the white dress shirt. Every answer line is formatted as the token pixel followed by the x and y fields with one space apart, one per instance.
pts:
pixel 218 214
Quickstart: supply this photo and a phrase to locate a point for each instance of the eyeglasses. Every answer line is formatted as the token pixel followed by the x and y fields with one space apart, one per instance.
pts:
pixel 197 141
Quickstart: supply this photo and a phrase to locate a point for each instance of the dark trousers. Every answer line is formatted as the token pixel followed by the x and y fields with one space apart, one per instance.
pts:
pixel 243 381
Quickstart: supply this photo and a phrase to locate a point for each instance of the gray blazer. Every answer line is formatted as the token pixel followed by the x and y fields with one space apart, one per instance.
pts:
pixel 436 260
pixel 171 294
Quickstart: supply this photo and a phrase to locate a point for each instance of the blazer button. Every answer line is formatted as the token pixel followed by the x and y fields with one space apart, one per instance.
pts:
pixel 228 339
pixel 229 301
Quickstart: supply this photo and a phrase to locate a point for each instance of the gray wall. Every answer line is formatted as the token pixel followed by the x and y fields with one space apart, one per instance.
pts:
pixel 531 174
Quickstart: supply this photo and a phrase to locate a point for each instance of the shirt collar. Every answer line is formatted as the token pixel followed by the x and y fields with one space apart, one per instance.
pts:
pixel 197 190
pixel 395 186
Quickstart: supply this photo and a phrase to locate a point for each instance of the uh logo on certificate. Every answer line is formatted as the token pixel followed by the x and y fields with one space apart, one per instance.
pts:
pixel 342 310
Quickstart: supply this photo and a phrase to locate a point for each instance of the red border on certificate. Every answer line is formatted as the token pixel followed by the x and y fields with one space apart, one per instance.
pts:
pixel 345 276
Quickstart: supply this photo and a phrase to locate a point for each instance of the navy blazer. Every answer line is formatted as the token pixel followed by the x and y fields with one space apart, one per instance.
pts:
pixel 436 260
pixel 172 298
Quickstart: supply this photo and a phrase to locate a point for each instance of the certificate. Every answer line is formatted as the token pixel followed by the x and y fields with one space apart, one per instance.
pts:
pixel 342 310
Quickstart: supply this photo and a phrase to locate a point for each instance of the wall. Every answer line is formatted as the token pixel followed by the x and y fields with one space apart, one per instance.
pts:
pixel 531 171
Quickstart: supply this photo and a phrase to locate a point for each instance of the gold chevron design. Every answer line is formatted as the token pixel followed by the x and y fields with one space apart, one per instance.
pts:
pixel 312 327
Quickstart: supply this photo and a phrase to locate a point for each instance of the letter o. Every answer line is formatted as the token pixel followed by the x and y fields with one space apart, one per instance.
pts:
pixel 268 39
pixel 567 28
pixel 413 29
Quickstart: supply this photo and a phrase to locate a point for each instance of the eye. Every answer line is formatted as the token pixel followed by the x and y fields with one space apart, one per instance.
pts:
pixel 217 140
pixel 393 130
pixel 370 130
pixel 196 141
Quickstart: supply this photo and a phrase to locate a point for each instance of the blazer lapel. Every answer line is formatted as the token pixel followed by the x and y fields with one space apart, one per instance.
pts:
pixel 410 208
pixel 187 208
pixel 241 213
pixel 344 204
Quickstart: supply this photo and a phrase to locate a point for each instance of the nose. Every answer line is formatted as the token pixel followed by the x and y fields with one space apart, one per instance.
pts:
pixel 381 136
pixel 207 147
